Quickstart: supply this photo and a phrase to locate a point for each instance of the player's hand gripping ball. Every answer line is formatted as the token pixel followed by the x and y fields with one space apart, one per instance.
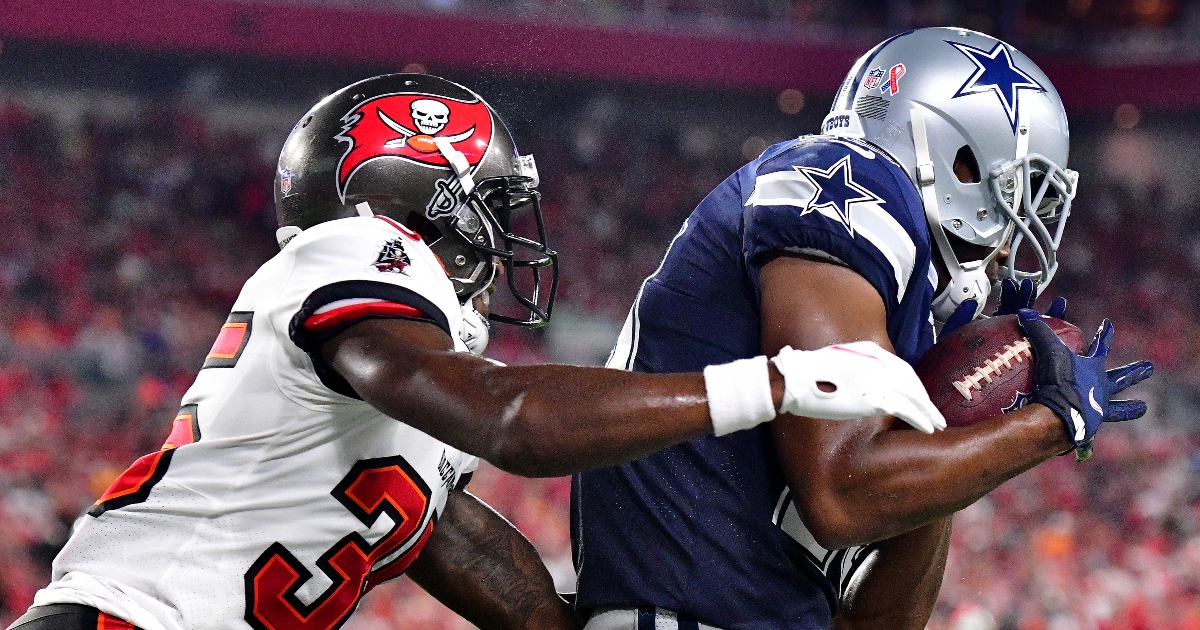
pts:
pixel 985 368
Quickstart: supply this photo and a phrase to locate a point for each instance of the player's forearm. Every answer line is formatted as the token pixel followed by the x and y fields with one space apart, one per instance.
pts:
pixel 552 420
pixel 482 568
pixel 901 582
pixel 891 482
pixel 546 420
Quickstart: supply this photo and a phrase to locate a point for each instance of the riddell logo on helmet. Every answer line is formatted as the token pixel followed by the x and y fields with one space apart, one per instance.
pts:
pixel 410 126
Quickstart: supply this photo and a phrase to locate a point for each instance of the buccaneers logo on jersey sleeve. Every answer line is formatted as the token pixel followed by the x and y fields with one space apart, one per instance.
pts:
pixel 393 258
pixel 410 126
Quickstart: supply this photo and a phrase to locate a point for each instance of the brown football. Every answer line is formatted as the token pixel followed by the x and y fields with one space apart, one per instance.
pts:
pixel 984 369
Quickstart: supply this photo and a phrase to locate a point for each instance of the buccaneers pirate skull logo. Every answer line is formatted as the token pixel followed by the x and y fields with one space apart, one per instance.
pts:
pixel 430 116
pixel 410 127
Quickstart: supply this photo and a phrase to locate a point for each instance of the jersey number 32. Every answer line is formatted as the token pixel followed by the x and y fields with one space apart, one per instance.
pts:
pixel 385 485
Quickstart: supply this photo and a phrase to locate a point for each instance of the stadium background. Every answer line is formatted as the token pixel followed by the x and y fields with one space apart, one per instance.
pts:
pixel 137 149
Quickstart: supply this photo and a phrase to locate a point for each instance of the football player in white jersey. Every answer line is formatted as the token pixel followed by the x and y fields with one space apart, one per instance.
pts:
pixel 325 445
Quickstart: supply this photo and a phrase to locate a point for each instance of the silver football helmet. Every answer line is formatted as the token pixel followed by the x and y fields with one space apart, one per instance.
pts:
pixel 929 96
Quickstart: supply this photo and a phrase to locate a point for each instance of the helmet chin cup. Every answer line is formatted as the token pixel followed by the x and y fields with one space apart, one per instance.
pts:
pixel 965 284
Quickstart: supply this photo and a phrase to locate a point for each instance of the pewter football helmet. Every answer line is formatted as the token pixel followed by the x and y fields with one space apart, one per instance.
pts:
pixel 928 96
pixel 434 156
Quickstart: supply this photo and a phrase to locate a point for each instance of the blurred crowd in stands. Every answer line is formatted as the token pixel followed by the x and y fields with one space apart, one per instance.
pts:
pixel 1123 27
pixel 1085 15
pixel 124 244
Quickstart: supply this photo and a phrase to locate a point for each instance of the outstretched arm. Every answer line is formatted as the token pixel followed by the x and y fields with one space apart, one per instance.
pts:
pixel 551 420
pixel 535 421
pixel 481 567
pixel 864 481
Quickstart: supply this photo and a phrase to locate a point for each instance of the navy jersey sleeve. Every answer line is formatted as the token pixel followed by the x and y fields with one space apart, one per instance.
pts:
pixel 838 201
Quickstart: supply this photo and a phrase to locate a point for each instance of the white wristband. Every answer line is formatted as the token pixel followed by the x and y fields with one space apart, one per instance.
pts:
pixel 739 395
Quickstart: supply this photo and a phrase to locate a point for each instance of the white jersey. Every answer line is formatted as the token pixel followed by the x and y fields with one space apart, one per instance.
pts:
pixel 279 497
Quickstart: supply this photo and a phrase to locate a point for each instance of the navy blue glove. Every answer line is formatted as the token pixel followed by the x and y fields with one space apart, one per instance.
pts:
pixel 1012 299
pixel 1077 388
pixel 963 315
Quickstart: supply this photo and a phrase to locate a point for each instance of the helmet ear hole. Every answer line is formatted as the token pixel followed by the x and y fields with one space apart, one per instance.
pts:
pixel 418 223
pixel 966 167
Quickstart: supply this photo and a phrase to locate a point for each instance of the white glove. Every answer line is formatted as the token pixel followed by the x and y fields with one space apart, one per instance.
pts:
pixel 868 381
pixel 474 330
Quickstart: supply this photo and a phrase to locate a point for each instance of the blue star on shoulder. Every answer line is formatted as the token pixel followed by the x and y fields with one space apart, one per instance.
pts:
pixel 995 72
pixel 836 191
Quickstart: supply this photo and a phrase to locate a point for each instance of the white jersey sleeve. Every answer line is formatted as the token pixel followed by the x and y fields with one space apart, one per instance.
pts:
pixel 344 272
pixel 349 270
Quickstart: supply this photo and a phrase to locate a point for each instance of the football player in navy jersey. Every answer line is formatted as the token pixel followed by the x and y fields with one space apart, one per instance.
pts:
pixel 943 157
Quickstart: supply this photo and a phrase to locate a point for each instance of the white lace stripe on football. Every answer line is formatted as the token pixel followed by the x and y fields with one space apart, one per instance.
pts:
pixel 968 384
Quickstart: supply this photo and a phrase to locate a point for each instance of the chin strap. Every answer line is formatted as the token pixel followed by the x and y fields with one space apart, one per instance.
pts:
pixel 967 280
pixel 458 162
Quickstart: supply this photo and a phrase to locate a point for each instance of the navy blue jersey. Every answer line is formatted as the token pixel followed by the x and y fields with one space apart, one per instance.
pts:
pixel 705 528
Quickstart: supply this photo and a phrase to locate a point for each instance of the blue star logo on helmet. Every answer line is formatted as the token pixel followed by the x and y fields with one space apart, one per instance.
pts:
pixel 835 191
pixel 995 72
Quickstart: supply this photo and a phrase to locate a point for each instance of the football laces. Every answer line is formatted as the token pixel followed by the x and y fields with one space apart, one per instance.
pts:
pixel 991 368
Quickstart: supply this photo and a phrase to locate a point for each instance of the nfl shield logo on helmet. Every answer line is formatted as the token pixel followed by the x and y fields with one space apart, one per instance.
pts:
pixel 285 181
pixel 873 79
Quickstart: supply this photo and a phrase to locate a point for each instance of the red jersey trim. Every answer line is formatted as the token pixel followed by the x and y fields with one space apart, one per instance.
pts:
pixel 231 341
pixel 353 312
pixel 104 621
pixel 185 429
